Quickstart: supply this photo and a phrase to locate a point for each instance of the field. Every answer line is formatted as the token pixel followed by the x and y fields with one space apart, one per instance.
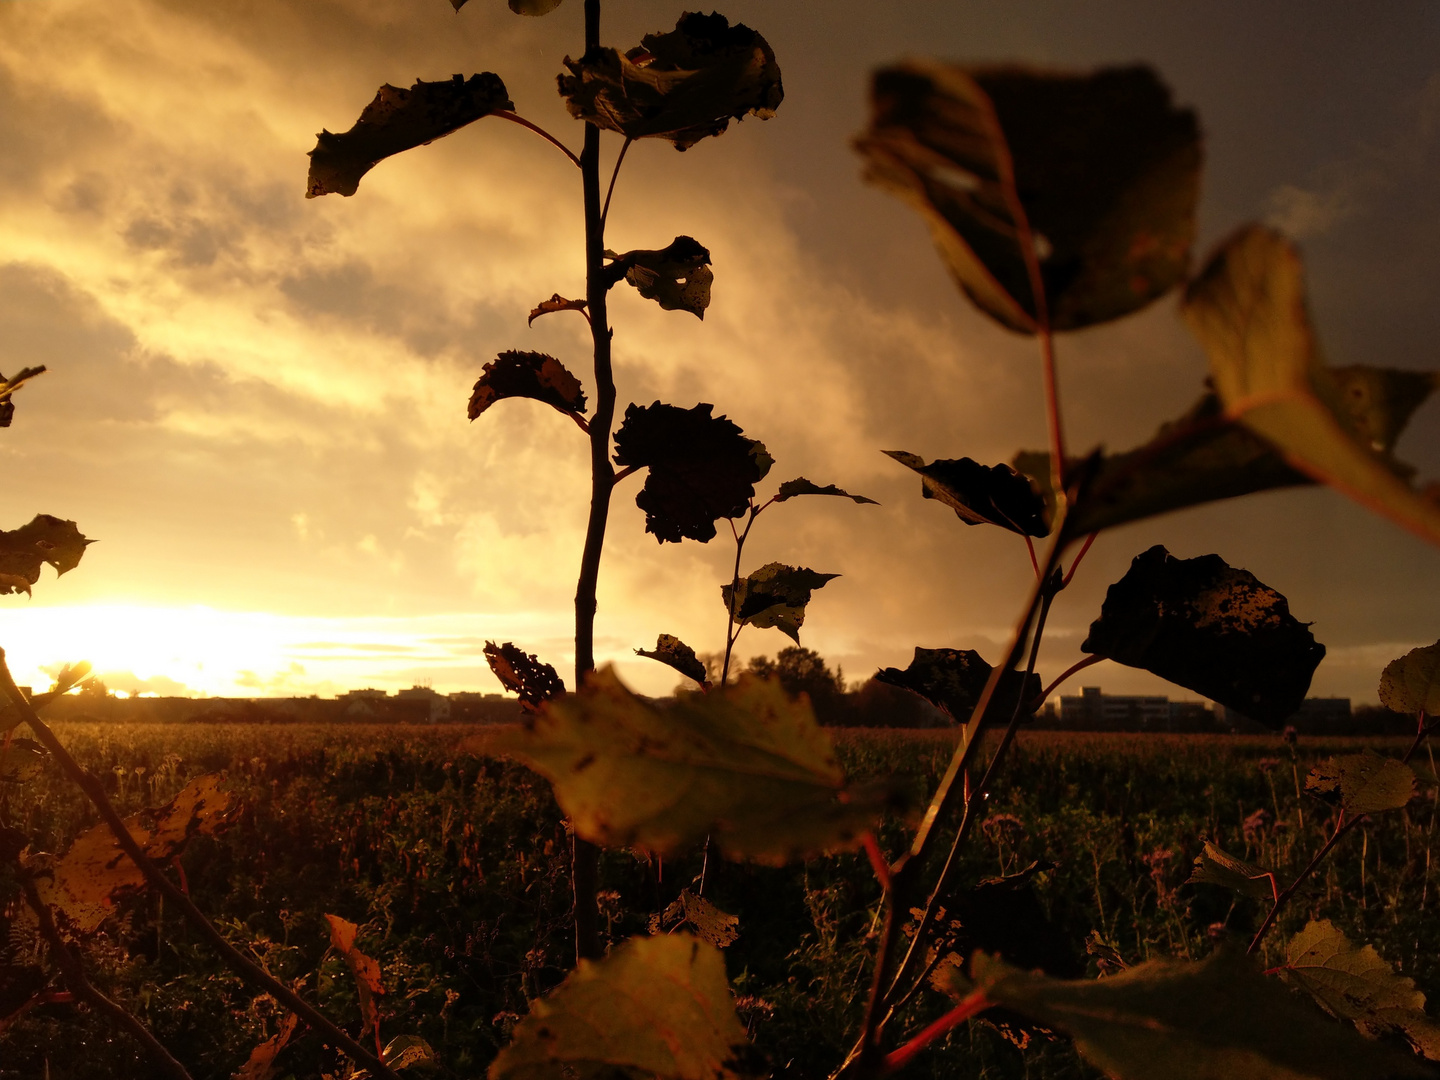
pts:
pixel 455 863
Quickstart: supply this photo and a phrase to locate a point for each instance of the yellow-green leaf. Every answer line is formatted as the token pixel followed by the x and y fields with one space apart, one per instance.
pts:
pixel 1411 684
pixel 1363 783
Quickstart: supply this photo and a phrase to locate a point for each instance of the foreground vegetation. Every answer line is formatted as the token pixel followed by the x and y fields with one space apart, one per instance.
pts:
pixel 456 865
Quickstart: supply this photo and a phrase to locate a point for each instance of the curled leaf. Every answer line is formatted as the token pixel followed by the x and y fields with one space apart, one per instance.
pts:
pixel 677 277
pixel 710 924
pixel 1338 425
pixel 800 486
pixel 702 468
pixel 45 539
pixel 670 650
pixel 1215 867
pixel 981 494
pixel 527 374
pixel 745 764
pixel 1210 628
pixel 535 681
pixel 1411 684
pixel 1363 783
pixel 555 303
pixel 1100 170
pixel 953 679
pixel 774 596
pixel 365 969
pixel 399 120
pixel 682 86
pixel 9 386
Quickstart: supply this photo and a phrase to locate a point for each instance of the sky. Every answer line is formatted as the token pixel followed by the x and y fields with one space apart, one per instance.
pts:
pixel 256 402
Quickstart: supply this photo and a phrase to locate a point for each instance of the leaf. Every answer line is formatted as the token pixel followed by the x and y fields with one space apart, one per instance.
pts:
pixel 953 679
pixel 1003 915
pixel 45 539
pixel 405 1051
pixel 710 924
pixel 368 985
pixel 1355 984
pixel 1363 783
pixel 9 386
pixel 1104 169
pixel 800 486
pixel 682 86
pixel 670 650
pixel 774 596
pixel 260 1065
pixel 555 303
pixel 1210 628
pixel 399 120
pixel 21 760
pixel 95 873
pixel 535 681
pixel 1214 867
pixel 653 1007
pixel 980 494
pixel 676 277
pixel 702 468
pixel 745 764
pixel 1198 458
pixel 1338 425
pixel 1218 1019
pixel 527 374
pixel 1411 684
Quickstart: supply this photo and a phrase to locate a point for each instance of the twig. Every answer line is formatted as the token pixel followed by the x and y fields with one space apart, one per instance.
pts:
pixel 974 1003
pixel 515 119
pixel 1080 555
pixel 732 634
pixel 1078 666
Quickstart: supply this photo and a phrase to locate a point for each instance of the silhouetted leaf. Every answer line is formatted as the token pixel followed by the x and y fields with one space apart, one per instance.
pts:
pixel 1355 984
pixel 1210 628
pixel 1411 684
pixel 774 596
pixel 45 539
pixel 1003 915
pixel 953 679
pixel 21 760
pixel 365 969
pixel 981 494
pixel 670 650
pixel 9 386
pixel 527 374
pixel 1336 424
pixel 555 303
pixel 677 277
pixel 653 1007
pixel 701 468
pixel 800 486
pixel 1105 170
pixel 535 681
pixel 1215 867
pixel 744 764
pixel 400 120
pixel 70 676
pixel 1363 783
pixel 681 86
pixel 1218 1019
pixel 710 924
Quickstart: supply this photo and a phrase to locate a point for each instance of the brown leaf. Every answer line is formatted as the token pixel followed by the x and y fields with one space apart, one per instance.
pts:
pixel 555 303
pixel 521 673
pixel 260 1065
pixel 365 969
pixel 45 539
pixel 527 374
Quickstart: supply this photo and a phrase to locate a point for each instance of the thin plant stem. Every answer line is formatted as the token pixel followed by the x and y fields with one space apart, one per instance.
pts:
pixel 248 971
pixel 516 119
pixel 614 175
pixel 1030 547
pixel 970 1006
pixel 1073 669
pixel 1080 555
pixel 732 630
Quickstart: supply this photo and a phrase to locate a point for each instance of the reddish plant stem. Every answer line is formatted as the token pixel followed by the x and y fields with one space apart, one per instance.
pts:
pixel 248 971
pixel 1075 668
pixel 970 1006
pixel 1341 828
pixel 1076 564
pixel 516 119
pixel 614 175
pixel 1030 547
pixel 878 862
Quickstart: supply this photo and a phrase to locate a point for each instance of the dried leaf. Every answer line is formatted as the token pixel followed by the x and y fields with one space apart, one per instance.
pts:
pixel 744 764
pixel 980 494
pixel 368 985
pixel 1104 168
pixel 45 539
pixel 555 303
pixel 676 277
pixel 670 650
pixel 399 120
pixel 260 1065
pixel 527 374
pixel 710 924
pixel 9 386
pixel 535 681
pixel 953 679
pixel 800 486
pixel 1210 628
pixel 682 86
pixel 1411 684
pixel 1215 867
pixel 774 596
pixel 1363 783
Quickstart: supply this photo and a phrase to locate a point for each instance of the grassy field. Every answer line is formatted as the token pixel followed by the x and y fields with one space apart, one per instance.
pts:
pixel 455 864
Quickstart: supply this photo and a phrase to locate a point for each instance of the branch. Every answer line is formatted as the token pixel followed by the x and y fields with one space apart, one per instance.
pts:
pixel 975 1003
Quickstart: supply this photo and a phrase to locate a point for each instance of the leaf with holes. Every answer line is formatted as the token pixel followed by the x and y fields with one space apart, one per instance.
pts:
pixel 1363 783
pixel 365 969
pixel 677 277
pixel 45 539
pixel 1354 983
pixel 1411 684
pixel 709 923
pixel 981 494
pixel 398 120
pixel 522 673
pixel 702 468
pixel 953 679
pixel 554 304
pixel 1100 169
pixel 1218 1019
pixel 670 650
pixel 774 596
pixel 9 386
pixel 800 486
pixel 682 86
pixel 1210 628
pixel 1338 425
pixel 744 764
pixel 527 374
pixel 653 1007
pixel 1216 867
